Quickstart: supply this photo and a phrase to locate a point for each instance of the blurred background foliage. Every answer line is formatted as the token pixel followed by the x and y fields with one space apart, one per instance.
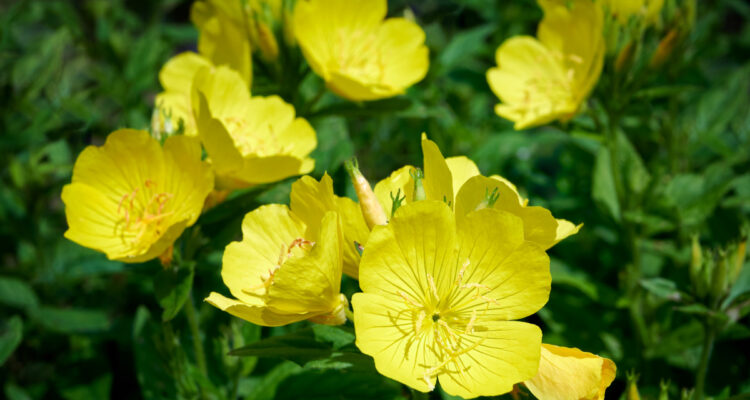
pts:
pixel 629 286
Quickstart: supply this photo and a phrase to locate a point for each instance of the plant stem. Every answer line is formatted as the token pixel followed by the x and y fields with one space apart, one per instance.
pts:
pixel 700 376
pixel 192 317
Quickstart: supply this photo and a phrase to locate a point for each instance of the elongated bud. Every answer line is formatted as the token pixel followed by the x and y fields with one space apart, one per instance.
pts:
pixel 417 175
pixel 665 49
pixel 368 202
pixel 632 393
pixel 739 260
pixel 696 267
pixel 269 47
pixel 287 23
pixel 625 58
pixel 719 277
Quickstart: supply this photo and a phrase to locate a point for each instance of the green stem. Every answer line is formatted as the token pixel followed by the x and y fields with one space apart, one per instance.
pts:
pixel 633 273
pixel 236 383
pixel 700 376
pixel 192 317
pixel 311 104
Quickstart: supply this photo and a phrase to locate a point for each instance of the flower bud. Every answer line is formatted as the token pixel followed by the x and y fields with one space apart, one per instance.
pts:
pixel 739 260
pixel 666 47
pixel 719 277
pixel 632 393
pixel 417 175
pixel 625 58
pixel 696 268
pixel 368 202
pixel 269 48
pixel 664 390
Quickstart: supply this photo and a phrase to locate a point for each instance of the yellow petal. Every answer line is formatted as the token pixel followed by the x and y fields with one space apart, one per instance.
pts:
pixel 92 217
pixel 462 168
pixel 310 200
pixel 225 157
pixel 177 74
pixel 505 353
pixel 575 30
pixel 438 180
pixel 224 90
pixel 223 39
pixel 398 183
pixel 402 42
pixel 538 223
pixel 566 228
pixel 385 330
pixel 522 60
pixel 311 283
pixel 188 179
pixel 266 234
pixel 513 272
pixel 419 240
pixel 255 312
pixel 571 374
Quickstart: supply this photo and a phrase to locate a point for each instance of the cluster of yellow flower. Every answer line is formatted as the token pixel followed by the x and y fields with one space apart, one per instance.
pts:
pixel 447 259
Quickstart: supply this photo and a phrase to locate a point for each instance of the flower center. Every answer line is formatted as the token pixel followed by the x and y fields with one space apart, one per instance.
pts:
pixel 358 54
pixel 298 248
pixel 142 217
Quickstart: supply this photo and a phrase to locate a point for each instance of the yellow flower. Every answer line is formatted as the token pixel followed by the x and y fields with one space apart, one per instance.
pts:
pixel 311 199
pixel 457 181
pixel 440 297
pixel 223 35
pixel 359 55
pixel 623 10
pixel 571 374
pixel 173 113
pixel 250 140
pixel 282 271
pixel 547 78
pixel 131 198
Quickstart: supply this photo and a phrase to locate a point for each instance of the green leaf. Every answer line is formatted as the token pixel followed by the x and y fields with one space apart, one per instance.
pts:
pixel 563 275
pixel 153 374
pixel 265 388
pixel 11 334
pixel 15 392
pixel 631 164
pixel 71 320
pixel 321 347
pixel 464 46
pixel 316 384
pixel 92 390
pixel 661 288
pixel 694 197
pixel 172 287
pixel 603 189
pixel 17 293
pixel 370 108
pixel 339 337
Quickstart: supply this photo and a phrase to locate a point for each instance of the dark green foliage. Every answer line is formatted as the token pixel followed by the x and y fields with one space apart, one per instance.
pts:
pixel 75 325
